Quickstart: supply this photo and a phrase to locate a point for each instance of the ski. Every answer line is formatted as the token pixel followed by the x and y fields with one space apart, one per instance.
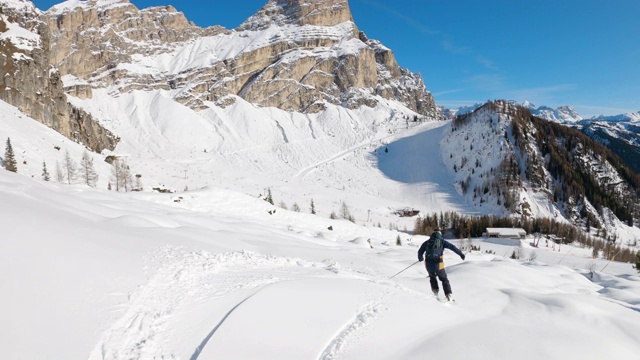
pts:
pixel 444 299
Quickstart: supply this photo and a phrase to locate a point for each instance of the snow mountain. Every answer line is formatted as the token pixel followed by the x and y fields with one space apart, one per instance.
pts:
pixel 516 162
pixel 620 133
pixel 561 114
pixel 297 93
pixel 633 118
pixel 297 56
pixel 185 108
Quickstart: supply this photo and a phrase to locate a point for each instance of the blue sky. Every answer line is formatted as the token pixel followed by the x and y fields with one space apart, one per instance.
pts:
pixel 583 53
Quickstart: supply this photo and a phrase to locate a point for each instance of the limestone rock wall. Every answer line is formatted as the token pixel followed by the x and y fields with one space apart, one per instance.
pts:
pixel 324 59
pixel 32 85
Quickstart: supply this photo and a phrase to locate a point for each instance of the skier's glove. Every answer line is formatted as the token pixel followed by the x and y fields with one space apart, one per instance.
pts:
pixel 462 257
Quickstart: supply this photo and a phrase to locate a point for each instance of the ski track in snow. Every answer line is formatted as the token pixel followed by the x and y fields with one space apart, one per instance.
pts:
pixel 365 316
pixel 183 278
pixel 304 172
pixel 204 342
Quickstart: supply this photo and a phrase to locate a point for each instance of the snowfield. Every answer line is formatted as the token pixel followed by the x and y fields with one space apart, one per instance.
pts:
pixel 90 274
pixel 212 271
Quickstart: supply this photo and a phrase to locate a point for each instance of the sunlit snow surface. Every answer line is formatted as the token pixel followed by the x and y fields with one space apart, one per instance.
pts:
pixel 212 271
pixel 105 275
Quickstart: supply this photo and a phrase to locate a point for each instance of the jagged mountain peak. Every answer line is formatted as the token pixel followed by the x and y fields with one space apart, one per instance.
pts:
pixel 295 55
pixel 299 12
pixel 72 4
pixel 19 27
pixel 18 4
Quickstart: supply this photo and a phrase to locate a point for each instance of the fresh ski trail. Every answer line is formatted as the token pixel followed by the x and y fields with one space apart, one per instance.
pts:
pixel 415 130
pixel 185 279
pixel 366 315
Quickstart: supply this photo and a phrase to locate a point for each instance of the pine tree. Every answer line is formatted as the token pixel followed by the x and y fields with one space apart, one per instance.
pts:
pixel 344 211
pixel 69 167
pixel 115 174
pixel 269 198
pixel 127 177
pixel 45 173
pixel 10 163
pixel 59 173
pixel 87 170
pixel 313 207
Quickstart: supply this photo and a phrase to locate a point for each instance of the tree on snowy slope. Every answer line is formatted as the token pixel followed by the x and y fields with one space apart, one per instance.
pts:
pixel 345 213
pixel 45 173
pixel 269 197
pixel 10 158
pixel 59 172
pixel 69 168
pixel 121 175
pixel 87 170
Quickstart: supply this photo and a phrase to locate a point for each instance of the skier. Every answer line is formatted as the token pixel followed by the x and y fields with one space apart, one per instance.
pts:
pixel 433 250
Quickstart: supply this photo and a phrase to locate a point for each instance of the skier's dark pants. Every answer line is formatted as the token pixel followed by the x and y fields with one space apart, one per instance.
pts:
pixel 442 275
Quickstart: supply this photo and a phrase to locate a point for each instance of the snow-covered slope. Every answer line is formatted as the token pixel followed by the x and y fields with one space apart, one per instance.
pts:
pixel 211 274
pixel 476 151
pixel 331 158
pixel 36 146
pixel 504 160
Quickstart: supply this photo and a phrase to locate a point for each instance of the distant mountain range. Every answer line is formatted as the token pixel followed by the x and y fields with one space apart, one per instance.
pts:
pixel 563 114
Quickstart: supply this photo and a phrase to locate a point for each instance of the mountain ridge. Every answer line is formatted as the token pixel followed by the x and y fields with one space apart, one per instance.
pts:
pixel 532 158
pixel 294 55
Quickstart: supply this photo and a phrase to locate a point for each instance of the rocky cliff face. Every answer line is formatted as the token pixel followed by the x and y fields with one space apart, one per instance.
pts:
pixel 296 55
pixel 92 39
pixel 29 82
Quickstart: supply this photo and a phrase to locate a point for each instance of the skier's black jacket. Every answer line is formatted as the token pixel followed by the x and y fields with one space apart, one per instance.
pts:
pixel 433 265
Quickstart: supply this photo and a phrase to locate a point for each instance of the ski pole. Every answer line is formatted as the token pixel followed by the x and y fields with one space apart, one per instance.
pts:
pixel 404 269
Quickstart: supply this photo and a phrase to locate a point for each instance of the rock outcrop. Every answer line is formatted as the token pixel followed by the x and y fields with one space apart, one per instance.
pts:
pixel 32 85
